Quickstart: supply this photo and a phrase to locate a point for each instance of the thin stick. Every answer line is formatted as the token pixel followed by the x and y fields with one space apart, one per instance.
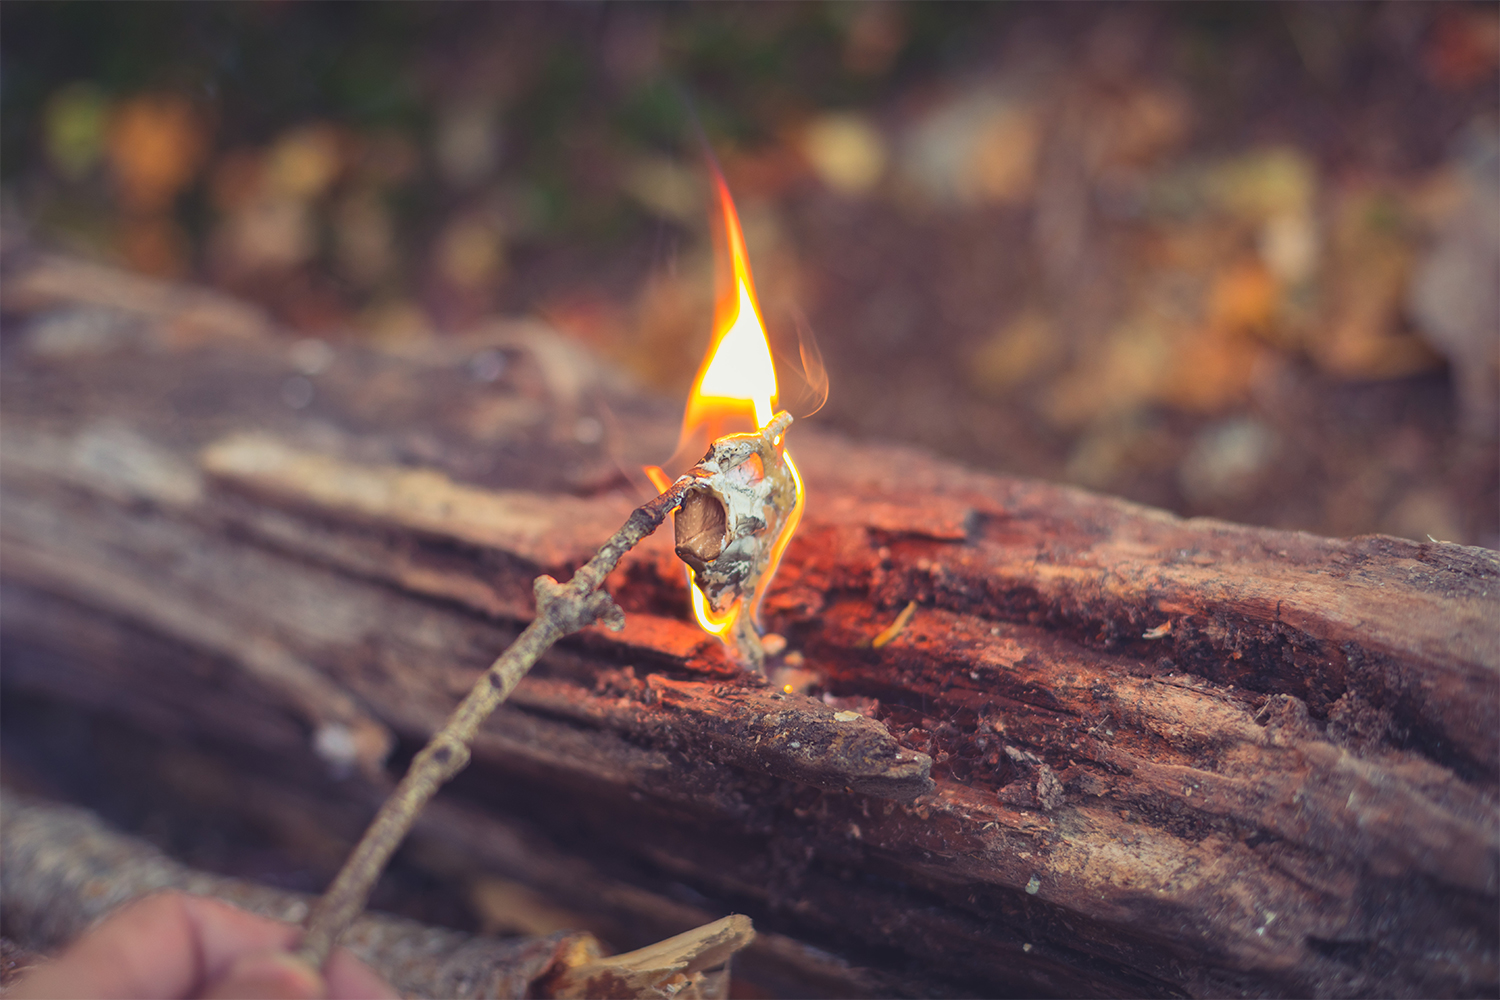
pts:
pixel 561 609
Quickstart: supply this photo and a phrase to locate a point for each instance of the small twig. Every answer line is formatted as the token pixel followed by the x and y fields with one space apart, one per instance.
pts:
pixel 561 609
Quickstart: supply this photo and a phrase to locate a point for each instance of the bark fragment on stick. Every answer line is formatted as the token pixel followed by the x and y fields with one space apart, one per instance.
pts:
pixel 742 503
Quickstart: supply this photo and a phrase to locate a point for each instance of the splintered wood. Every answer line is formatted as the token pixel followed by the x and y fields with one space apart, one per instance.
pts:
pixel 1108 751
pixel 689 966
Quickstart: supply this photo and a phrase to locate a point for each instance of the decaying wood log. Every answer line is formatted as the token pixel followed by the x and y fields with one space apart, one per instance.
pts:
pixel 63 871
pixel 1112 752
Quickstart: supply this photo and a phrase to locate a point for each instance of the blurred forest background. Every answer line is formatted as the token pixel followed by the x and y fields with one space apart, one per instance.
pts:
pixel 1237 260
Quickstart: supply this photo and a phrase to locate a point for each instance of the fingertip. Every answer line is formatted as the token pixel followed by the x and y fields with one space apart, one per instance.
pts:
pixel 274 975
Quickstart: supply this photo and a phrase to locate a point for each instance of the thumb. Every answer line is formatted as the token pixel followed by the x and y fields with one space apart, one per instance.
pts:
pixel 268 975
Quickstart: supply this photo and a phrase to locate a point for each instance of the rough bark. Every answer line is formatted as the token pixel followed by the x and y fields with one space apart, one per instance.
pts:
pixel 1113 752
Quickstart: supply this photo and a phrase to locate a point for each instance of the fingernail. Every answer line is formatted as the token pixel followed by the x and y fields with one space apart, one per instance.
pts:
pixel 271 975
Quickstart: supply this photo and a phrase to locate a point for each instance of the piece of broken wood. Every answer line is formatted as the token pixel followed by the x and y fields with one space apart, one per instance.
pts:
pixel 1110 752
pixel 692 964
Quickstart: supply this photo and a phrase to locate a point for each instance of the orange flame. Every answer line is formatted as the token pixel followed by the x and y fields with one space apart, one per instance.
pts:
pixel 735 390
pixel 737 378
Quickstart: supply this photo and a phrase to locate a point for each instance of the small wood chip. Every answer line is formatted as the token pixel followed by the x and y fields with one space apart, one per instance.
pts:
pixel 902 620
pixel 691 965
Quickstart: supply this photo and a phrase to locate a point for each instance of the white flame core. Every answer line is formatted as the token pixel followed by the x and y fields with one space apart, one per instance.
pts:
pixel 741 367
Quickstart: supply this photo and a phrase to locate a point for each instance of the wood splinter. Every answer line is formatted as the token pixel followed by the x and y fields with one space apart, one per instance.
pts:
pixel 693 964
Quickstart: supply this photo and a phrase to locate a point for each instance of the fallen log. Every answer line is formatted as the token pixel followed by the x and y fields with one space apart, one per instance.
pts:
pixel 1111 752
pixel 63 871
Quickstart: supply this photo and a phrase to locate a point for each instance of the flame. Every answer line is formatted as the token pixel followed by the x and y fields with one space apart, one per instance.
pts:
pixel 737 380
pixel 735 390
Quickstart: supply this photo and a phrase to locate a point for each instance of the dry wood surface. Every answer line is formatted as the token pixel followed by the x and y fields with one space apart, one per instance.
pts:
pixel 1112 752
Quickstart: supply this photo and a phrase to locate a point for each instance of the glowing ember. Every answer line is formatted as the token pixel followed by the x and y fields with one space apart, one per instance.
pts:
pixel 736 530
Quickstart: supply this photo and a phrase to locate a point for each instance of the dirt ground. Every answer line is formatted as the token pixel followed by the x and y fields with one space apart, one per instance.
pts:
pixel 1238 261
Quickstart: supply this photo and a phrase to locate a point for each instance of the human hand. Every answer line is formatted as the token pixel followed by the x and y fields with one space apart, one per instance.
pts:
pixel 172 946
